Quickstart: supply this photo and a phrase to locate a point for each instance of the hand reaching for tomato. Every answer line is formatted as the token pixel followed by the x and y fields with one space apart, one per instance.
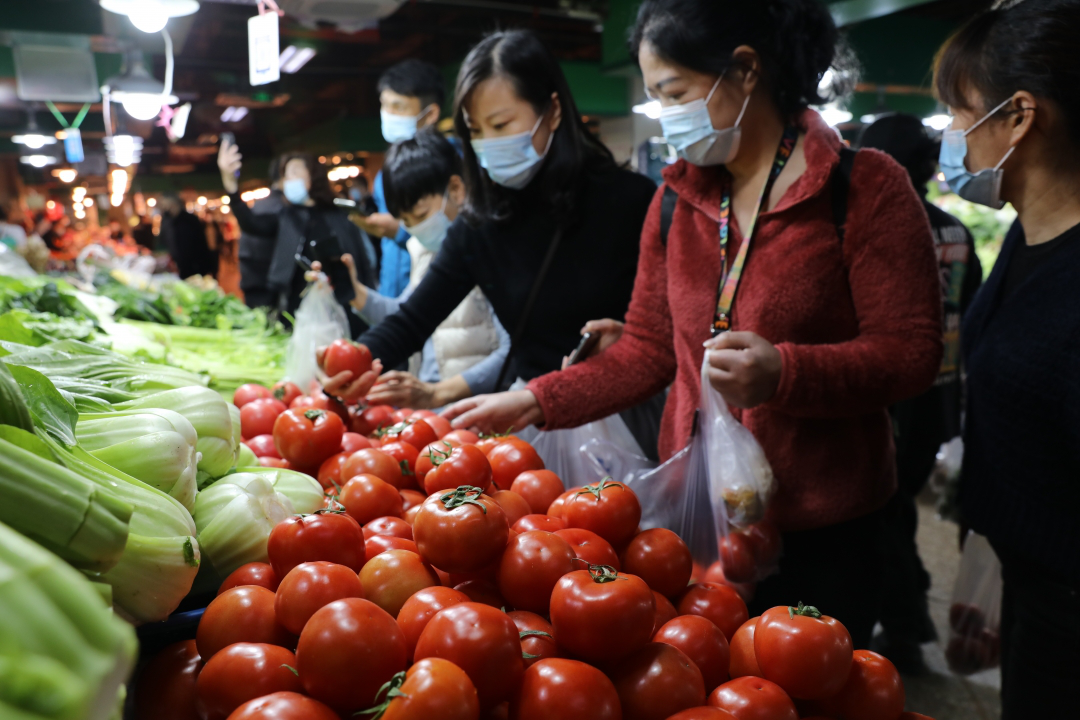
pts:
pixel 341 381
pixel 495 413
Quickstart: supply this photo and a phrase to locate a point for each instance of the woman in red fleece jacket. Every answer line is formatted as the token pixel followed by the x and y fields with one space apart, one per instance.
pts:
pixel 824 336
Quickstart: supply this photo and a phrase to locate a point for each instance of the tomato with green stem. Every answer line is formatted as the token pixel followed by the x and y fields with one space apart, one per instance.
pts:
pixel 806 653
pixel 601 615
pixel 415 432
pixel 326 535
pixel 432 688
pixel 537 637
pixel 460 531
pixel 561 689
pixel 406 456
pixel 307 438
pixel 310 586
pixel 454 467
pixel 607 508
pixel 243 672
pixel 285 391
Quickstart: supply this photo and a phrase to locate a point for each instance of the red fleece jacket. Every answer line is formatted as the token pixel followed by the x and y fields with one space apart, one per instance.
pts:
pixel 858 327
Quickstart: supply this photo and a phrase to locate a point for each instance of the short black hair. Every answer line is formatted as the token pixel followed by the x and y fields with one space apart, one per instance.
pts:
pixel 796 40
pixel 906 140
pixel 1028 46
pixel 418 79
pixel 417 168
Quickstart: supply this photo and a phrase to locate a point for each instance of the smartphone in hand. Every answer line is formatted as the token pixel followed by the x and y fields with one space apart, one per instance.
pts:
pixel 588 343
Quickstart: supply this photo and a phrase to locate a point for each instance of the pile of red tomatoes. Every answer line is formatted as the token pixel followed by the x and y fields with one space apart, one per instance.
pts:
pixel 452 577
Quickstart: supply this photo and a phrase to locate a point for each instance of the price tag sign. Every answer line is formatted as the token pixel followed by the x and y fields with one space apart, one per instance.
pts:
pixel 263 48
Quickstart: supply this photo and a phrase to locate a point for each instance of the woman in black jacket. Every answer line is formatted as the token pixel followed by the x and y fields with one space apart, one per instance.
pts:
pixel 1011 77
pixel 308 217
pixel 544 198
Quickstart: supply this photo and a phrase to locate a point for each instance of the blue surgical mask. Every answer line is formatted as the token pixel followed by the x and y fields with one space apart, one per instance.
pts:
pixel 432 231
pixel 398 128
pixel 511 161
pixel 984 186
pixel 688 128
pixel 295 190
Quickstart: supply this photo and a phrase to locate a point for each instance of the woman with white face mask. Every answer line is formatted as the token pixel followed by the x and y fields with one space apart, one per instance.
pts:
pixel 809 337
pixel 1011 78
pixel 423 188
pixel 550 227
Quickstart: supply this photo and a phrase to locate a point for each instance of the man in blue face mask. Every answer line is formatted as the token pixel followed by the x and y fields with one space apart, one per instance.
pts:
pixel 411 96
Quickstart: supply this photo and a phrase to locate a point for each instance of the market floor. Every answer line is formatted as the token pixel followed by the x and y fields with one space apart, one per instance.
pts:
pixel 943 695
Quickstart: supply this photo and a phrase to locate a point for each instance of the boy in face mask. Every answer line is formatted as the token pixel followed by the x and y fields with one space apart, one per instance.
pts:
pixel 424 190
pixel 411 96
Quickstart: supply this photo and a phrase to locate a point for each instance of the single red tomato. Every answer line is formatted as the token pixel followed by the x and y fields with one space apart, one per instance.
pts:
pixel 371 461
pixel 743 659
pixel 512 504
pixel 737 558
pixel 346 356
pixel 429 454
pixel 765 539
pixel 333 537
pixel 304 402
pixel 310 586
pixel 660 558
pixel 718 603
pixel 378 544
pixel 388 526
pixel 432 688
pixel 410 514
pixel 531 565
pixel 591 548
pixel 703 713
pixel 509 459
pixel 415 432
pixel 537 637
pixel 406 456
pixel 242 672
pixel 540 488
pixel 806 653
pixel 559 504
pixel 440 425
pixel 665 612
pixel 464 465
pixel 414 615
pixel 546 523
pixel 165 688
pixel 460 531
pixel 283 706
pixel 411 499
pixel 330 471
pixel 392 577
pixel 256 573
pixel 702 642
pixel 366 498
pixel 351 442
pixel 285 391
pixel 873 691
pixel 657 681
pixel 462 437
pixel 347 651
pixel 715 574
pixel 322 401
pixel 600 615
pixel 243 614
pixel 308 437
pixel 609 509
pixel 248 392
pixel 482 641
pixel 559 689
pixel 401 415
pixel 487 443
pixel 754 698
pixel 262 446
pixel 257 417
pixel 275 462
pixel 371 419
pixel 482 590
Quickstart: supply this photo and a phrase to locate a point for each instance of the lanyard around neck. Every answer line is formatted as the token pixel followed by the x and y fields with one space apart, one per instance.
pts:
pixel 729 278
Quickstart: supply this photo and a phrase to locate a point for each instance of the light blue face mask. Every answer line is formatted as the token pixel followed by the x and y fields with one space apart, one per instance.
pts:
pixel 511 161
pixel 984 186
pixel 295 190
pixel 432 231
pixel 398 128
pixel 688 128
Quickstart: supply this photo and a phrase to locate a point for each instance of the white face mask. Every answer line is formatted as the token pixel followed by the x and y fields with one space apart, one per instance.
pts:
pixel 983 187
pixel 398 128
pixel 432 230
pixel 512 161
pixel 689 129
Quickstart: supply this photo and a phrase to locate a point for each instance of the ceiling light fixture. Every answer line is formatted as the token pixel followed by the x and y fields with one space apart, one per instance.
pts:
pixel 293 58
pixel 123 150
pixel 32 137
pixel 151 16
pixel 938 122
pixel 141 94
pixel 234 114
pixel 38 161
pixel 650 109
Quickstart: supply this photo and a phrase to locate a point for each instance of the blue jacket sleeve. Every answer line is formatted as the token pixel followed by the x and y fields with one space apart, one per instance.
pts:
pixel 482 376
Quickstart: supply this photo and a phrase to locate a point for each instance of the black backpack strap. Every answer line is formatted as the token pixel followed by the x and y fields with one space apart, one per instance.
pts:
pixel 667 212
pixel 841 185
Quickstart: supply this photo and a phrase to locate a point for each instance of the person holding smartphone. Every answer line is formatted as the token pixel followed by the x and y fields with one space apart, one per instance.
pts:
pixel 550 226
pixel 813 296
pixel 308 227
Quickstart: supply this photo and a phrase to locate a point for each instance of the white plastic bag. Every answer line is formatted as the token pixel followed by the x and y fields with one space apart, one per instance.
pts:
pixel 319 321
pixel 975 610
pixel 585 454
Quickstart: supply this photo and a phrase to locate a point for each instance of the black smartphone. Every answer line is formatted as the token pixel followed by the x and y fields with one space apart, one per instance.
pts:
pixel 588 343
pixel 326 248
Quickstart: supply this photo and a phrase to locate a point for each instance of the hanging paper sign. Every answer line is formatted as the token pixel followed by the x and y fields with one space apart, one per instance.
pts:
pixel 73 148
pixel 263 49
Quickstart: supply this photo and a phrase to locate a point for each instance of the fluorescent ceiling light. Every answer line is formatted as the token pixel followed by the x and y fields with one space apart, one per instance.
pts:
pixel 38 161
pixel 938 122
pixel 868 119
pixel 67 175
pixel 833 116
pixel 138 91
pixel 34 141
pixel 124 150
pixel 151 16
pixel 234 114
pixel 293 58
pixel 650 109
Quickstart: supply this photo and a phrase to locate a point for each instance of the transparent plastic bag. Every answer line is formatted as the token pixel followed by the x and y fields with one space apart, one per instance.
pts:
pixel 975 610
pixel 319 321
pixel 12 264
pixel 586 454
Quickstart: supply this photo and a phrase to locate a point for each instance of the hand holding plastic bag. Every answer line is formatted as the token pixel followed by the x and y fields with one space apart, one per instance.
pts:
pixel 975 611
pixel 320 320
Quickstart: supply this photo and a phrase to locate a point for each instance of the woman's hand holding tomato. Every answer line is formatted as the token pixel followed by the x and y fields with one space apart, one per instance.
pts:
pixel 350 371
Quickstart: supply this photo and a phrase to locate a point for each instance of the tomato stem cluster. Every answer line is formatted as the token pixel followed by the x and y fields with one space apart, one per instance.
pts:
pixel 314 414
pixel 391 689
pixel 804 610
pixel 442 455
pixel 604 574
pixel 595 490
pixel 463 495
